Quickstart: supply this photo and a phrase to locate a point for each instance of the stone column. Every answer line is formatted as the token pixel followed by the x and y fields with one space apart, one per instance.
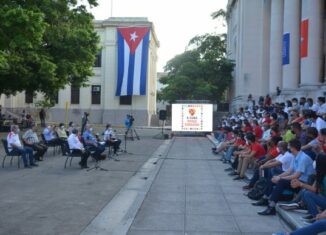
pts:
pixel 311 65
pixel 291 25
pixel 276 43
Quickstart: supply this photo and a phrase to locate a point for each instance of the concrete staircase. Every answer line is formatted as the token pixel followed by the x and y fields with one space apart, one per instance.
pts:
pixel 293 219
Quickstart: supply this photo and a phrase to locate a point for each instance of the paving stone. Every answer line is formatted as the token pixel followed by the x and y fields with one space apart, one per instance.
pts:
pixel 158 221
pixel 211 223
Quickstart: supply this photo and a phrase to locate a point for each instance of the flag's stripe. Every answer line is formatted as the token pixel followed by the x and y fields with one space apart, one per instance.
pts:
pixel 131 74
pixel 137 70
pixel 144 63
pixel 120 63
pixel 126 73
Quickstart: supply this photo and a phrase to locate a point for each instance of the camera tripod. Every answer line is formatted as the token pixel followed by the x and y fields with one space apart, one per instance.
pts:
pixel 97 167
pixel 131 132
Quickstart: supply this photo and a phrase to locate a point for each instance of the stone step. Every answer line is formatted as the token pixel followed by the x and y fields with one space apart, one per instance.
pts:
pixel 293 218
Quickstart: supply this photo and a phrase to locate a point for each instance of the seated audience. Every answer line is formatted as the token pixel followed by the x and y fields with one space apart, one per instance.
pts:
pixel 76 147
pixel 256 152
pixel 30 139
pixel 271 154
pixel 314 196
pixel 61 132
pixel 15 147
pixel 51 137
pixel 238 142
pixel 299 133
pixel 301 168
pixel 91 142
pixel 111 139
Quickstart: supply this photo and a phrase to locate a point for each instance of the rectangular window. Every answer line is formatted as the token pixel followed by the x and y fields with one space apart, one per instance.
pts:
pixel 75 94
pixel 126 100
pixel 96 94
pixel 29 97
pixel 98 60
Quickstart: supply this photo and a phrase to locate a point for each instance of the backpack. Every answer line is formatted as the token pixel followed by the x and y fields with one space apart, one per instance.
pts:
pixel 258 190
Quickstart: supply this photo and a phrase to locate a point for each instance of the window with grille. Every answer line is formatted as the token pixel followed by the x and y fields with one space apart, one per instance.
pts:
pixel 126 100
pixel 75 95
pixel 29 97
pixel 98 60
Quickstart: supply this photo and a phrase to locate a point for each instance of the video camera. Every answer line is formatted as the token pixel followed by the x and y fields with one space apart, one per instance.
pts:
pixel 131 119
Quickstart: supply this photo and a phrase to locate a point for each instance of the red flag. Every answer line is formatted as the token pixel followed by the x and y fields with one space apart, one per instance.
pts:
pixel 304 37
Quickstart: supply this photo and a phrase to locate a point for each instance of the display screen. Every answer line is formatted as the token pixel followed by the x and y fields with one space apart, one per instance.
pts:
pixel 192 117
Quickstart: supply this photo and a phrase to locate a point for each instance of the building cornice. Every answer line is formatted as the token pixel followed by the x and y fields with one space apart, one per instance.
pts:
pixel 115 22
pixel 229 7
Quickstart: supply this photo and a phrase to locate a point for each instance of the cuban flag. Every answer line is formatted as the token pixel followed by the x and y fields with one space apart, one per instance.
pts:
pixel 133 43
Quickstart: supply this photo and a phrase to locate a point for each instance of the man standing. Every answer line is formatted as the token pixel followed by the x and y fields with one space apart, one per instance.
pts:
pixel 15 147
pixel 42 115
pixel 31 140
pixel 84 122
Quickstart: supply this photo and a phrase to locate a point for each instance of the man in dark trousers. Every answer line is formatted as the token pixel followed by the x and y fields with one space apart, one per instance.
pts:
pixel 84 122
pixel 42 117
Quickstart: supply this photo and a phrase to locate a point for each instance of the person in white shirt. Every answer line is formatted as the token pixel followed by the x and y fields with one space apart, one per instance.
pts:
pixel 312 106
pixel 321 105
pixel 76 147
pixel 15 147
pixel 316 121
pixel 282 161
pixel 110 138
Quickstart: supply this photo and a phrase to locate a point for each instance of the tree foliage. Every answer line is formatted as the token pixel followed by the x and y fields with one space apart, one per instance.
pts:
pixel 202 72
pixel 45 45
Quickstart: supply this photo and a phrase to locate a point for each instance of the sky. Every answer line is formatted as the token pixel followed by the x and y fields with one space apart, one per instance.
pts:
pixel 175 21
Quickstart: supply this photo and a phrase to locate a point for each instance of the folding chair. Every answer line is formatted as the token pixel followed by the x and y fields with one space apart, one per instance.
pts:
pixel 53 145
pixel 8 154
pixel 71 156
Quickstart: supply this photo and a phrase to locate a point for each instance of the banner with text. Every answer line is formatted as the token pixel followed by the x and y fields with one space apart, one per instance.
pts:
pixel 192 117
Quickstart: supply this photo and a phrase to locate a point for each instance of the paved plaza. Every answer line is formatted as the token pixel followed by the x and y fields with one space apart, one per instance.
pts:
pixel 52 200
pixel 166 187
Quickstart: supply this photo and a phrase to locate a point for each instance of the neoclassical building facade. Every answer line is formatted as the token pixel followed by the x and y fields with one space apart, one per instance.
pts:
pixel 276 44
pixel 99 97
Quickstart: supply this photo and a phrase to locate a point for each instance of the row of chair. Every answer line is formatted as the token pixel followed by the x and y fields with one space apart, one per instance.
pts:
pixel 69 156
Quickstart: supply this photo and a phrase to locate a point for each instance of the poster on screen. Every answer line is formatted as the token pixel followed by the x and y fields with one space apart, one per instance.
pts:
pixel 192 117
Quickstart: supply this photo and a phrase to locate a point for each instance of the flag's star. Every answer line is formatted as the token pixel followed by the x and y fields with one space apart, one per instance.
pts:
pixel 133 36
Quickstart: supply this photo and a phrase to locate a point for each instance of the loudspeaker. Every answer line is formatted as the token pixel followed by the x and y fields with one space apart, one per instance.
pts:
pixel 162 115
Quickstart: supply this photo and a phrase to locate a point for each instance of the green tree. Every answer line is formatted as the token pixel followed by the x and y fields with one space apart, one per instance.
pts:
pixel 45 45
pixel 202 72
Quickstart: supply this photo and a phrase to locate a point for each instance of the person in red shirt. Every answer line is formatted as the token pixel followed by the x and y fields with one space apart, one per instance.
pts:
pixel 247 127
pixel 258 131
pixel 268 101
pixel 232 147
pixel 271 153
pixel 266 118
pixel 256 152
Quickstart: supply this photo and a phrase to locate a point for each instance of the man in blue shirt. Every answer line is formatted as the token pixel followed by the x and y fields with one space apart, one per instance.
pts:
pixel 301 168
pixel 51 138
pixel 92 144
